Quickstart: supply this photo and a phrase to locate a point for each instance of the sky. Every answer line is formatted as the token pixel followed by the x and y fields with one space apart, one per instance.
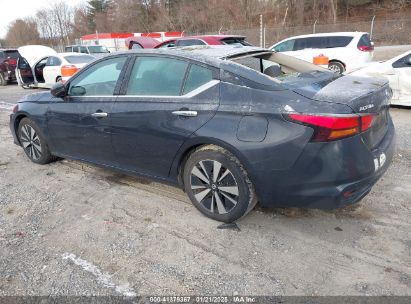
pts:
pixel 14 9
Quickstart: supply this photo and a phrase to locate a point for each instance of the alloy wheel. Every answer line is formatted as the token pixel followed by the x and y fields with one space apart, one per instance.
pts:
pixel 214 186
pixel 30 141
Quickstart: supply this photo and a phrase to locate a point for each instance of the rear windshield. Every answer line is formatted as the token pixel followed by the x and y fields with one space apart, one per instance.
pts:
pixel 235 40
pixel 79 59
pixel 322 42
pixel 97 49
pixel 189 42
pixel 12 54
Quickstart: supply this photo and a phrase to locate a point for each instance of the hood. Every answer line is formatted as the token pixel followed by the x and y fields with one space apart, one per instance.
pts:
pixel 33 53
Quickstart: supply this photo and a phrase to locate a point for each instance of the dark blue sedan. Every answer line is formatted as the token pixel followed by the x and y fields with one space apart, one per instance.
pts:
pixel 232 126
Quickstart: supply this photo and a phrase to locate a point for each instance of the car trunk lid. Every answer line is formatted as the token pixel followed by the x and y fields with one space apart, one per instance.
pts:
pixel 362 94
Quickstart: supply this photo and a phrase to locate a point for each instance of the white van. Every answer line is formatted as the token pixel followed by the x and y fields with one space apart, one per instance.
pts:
pixel 346 51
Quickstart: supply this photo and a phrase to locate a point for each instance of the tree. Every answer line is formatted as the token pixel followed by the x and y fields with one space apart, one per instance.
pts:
pixel 22 32
pixel 98 14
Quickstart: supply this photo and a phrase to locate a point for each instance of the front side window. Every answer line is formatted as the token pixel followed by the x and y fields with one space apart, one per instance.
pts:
pixel 157 76
pixel 98 80
pixel 197 76
pixel 286 46
pixel 404 62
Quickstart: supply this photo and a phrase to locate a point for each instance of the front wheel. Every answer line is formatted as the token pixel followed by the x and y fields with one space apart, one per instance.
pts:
pixel 33 143
pixel 218 185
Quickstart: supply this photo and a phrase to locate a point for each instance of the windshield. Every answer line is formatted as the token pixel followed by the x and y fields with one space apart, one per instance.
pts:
pixel 79 59
pixel 98 49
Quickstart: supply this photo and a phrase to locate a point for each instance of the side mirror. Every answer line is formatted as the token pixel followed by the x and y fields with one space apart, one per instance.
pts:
pixel 58 90
pixel 77 91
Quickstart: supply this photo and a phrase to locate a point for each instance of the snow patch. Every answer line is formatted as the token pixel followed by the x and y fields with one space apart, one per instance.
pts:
pixel 103 278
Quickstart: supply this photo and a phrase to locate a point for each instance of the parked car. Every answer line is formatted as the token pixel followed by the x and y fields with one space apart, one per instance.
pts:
pixel 41 66
pixel 8 61
pixel 141 42
pixel 346 50
pixel 95 50
pixel 204 40
pixel 398 71
pixel 230 125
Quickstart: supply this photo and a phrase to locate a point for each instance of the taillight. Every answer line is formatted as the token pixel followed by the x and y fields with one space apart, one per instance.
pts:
pixel 12 61
pixel 68 70
pixel 328 127
pixel 365 48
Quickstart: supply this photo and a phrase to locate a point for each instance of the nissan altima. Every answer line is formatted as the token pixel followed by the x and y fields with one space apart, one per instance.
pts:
pixel 232 126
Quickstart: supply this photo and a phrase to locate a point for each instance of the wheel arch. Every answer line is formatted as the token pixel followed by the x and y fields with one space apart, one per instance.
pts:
pixel 339 61
pixel 192 145
pixel 16 123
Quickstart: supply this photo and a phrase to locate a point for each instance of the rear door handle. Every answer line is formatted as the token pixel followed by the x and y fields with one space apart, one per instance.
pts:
pixel 99 114
pixel 185 113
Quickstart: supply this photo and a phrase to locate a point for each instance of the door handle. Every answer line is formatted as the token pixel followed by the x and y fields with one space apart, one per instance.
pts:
pixel 185 113
pixel 99 114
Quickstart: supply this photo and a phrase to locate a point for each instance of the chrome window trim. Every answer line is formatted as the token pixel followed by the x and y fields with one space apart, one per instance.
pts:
pixel 193 93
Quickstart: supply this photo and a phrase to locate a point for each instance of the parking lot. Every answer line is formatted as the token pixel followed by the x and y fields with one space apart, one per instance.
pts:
pixel 73 229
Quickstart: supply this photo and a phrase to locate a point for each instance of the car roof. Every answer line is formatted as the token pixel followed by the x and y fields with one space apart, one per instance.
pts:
pixel 213 55
pixel 206 38
pixel 73 54
pixel 6 50
pixel 354 34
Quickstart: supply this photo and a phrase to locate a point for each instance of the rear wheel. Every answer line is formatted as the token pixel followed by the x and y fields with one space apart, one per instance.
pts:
pixel 218 185
pixel 336 67
pixel 33 143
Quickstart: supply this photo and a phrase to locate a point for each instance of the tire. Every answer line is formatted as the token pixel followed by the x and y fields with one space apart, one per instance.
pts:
pixel 3 81
pixel 336 66
pixel 226 197
pixel 34 144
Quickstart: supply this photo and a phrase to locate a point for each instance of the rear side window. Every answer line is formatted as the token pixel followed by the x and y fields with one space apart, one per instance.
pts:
pixel 188 42
pixel 79 59
pixel 197 76
pixel 157 76
pixel 325 42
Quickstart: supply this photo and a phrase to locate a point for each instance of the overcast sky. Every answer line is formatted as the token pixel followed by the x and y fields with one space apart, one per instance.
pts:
pixel 13 9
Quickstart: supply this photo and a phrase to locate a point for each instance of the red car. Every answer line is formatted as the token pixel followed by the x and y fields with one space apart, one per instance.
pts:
pixel 204 40
pixel 149 43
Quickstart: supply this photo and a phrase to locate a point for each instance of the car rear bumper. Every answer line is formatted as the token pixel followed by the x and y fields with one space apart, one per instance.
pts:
pixel 330 175
pixel 9 75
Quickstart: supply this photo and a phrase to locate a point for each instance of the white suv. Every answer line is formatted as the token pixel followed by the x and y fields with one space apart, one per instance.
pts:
pixel 346 51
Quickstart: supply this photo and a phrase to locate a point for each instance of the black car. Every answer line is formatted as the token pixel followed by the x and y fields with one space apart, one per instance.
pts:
pixel 230 125
pixel 8 62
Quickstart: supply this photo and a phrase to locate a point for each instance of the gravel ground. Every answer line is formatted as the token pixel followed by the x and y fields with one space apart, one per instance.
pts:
pixel 74 229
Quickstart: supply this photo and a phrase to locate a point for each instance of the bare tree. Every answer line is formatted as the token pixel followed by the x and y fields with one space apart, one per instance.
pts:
pixel 22 32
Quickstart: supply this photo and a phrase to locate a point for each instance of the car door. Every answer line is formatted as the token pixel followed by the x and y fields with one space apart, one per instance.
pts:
pixel 402 68
pixel 24 72
pixel 52 70
pixel 165 101
pixel 79 124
